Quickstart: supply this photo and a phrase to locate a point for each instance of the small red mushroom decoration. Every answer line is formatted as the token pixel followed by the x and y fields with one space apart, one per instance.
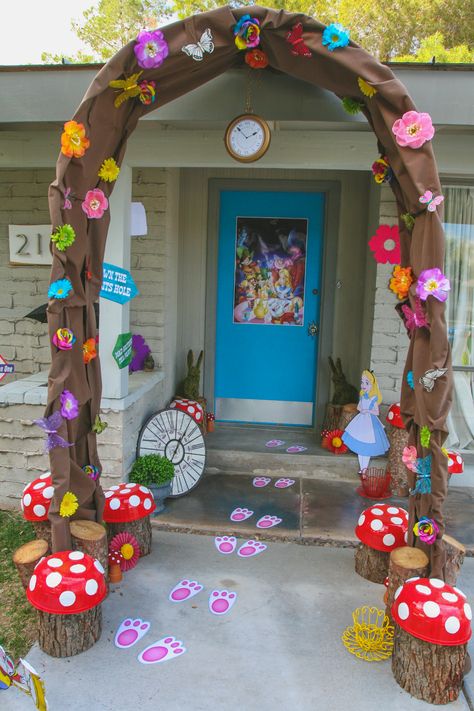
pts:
pixel 115 570
pixel 36 498
pixel 455 463
pixel 383 527
pixel 394 416
pixel 127 502
pixel 191 407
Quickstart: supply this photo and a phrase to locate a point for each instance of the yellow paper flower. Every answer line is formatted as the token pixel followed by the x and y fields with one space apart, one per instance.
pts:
pixel 401 281
pixel 109 170
pixel 129 88
pixel 69 505
pixel 365 88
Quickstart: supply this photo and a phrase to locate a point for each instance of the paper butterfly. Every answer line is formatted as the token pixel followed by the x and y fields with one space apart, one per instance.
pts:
pixel 430 201
pixel 51 426
pixel 295 38
pixel 414 319
pixel 423 479
pixel 99 426
pixel 67 203
pixel 429 378
pixel 129 88
pixel 196 51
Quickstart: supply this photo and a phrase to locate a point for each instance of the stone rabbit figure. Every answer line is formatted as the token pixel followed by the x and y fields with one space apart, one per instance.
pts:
pixel 344 392
pixel 190 385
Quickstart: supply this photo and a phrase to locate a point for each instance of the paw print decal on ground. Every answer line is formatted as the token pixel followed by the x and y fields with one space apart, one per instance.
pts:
pixel 130 632
pixel 284 483
pixel 268 521
pixel 162 650
pixel 240 514
pixel 260 481
pixel 185 590
pixel 251 549
pixel 221 601
pixel 225 544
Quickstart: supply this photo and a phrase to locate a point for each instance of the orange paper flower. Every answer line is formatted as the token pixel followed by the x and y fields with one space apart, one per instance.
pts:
pixel 401 281
pixel 256 58
pixel 73 140
pixel 89 351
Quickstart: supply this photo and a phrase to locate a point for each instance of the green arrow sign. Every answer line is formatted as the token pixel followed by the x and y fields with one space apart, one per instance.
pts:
pixel 122 352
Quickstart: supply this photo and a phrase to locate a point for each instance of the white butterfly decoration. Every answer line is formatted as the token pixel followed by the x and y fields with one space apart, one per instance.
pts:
pixel 429 378
pixel 196 51
pixel 430 201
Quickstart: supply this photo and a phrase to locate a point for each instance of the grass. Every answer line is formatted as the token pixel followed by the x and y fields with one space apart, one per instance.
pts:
pixel 17 617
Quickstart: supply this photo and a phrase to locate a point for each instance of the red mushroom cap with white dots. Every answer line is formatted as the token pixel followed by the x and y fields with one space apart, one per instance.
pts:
pixel 191 407
pixel 455 463
pixel 67 583
pixel 36 498
pixel 394 416
pixel 432 610
pixel 127 502
pixel 383 527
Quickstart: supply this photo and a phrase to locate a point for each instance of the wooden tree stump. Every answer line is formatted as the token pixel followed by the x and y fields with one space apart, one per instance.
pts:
pixel 348 413
pixel 141 529
pixel 43 530
pixel 398 441
pixel 26 557
pixel 455 552
pixel 91 538
pixel 405 562
pixel 332 416
pixel 371 564
pixel 427 671
pixel 67 635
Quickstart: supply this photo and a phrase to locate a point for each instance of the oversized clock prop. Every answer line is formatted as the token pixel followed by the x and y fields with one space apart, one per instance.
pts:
pixel 247 138
pixel 175 435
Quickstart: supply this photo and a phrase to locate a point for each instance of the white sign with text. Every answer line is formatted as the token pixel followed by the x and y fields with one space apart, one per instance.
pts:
pixel 29 244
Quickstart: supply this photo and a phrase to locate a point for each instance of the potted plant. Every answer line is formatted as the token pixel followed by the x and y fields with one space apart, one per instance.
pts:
pixel 156 473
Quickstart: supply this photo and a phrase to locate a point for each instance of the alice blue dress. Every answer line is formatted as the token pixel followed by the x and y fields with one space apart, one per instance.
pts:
pixel 365 434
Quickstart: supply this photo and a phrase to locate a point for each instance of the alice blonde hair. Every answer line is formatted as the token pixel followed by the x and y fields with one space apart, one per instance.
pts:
pixel 374 390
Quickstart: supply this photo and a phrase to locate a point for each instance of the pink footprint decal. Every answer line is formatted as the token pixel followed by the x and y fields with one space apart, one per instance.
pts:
pixel 268 521
pixel 251 548
pixel 260 481
pixel 284 483
pixel 225 544
pixel 274 443
pixel 295 448
pixel 161 651
pixel 220 601
pixel 130 632
pixel 240 514
pixel 185 590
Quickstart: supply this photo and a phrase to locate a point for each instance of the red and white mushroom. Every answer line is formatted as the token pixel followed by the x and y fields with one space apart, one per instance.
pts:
pixel 383 527
pixel 455 463
pixel 127 502
pixel 394 416
pixel 36 498
pixel 191 407
pixel 67 583
pixel 431 610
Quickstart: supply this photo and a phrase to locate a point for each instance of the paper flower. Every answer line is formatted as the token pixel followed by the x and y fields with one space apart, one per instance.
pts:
pixel 99 425
pixel 89 351
pixel 95 203
pixel 147 93
pixel 69 405
pixel 409 220
pixel 128 88
pixel 64 339
pixel 256 59
pixel 366 88
pixel 332 441
pixel 247 32
pixel 409 458
pixel 60 289
pixel 50 425
pixel 352 106
pixel 385 244
pixel 381 170
pixel 151 49
pixel 91 471
pixel 335 36
pixel 432 282
pixel 63 237
pixel 425 436
pixel 67 202
pixel 109 170
pixel 73 140
pixel 413 129
pixel 140 351
pixel 410 379
pixel 69 505
pixel 426 529
pixel 401 281
pixel 127 545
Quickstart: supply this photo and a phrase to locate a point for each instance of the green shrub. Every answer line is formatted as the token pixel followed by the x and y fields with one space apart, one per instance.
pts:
pixel 152 469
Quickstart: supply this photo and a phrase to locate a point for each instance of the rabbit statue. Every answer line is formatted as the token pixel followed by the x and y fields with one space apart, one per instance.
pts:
pixel 344 392
pixel 190 385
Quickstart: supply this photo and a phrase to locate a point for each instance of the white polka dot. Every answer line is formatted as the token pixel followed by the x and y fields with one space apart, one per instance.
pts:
pixel 467 611
pixel 460 592
pixel 91 587
pixel 147 504
pixel 134 501
pixel 450 597
pixel 436 583
pixel 376 512
pixel 397 592
pixel 45 476
pixel 32 583
pixel 376 524
pixel 390 416
pixel 361 519
pixel 114 488
pixel 99 567
pixel 415 577
pixel 392 510
pixel 39 510
pixel 55 562
pixel 48 493
pixel 130 486
pixel 144 490
pixel 27 499
pixel 76 555
pixel 26 487
pixel 114 504
pixel 458 459
pixel 405 536
pixel 67 598
pixel 403 611
pixel 53 580
pixel 108 494
pixel 78 568
pixel 198 416
pixel 423 589
pixel 41 559
pixel 396 520
pixel 388 539
pixel 431 609
pixel 452 625
pixel 40 485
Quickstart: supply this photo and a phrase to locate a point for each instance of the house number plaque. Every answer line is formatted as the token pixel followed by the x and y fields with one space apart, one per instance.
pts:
pixel 29 244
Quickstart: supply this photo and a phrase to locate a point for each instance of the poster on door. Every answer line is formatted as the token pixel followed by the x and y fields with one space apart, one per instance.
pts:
pixel 270 266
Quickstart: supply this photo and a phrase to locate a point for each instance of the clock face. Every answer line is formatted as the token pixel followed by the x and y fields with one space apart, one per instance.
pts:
pixel 247 138
pixel 175 435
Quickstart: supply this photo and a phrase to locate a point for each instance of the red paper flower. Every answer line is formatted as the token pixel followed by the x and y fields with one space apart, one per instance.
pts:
pixel 127 545
pixel 385 244
pixel 333 442
pixel 256 58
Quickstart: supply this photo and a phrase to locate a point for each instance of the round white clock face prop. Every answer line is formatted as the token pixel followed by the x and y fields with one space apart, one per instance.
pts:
pixel 247 138
pixel 175 435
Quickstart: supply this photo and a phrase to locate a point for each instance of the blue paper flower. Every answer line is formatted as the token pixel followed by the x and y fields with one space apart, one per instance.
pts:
pixel 410 379
pixel 60 289
pixel 335 36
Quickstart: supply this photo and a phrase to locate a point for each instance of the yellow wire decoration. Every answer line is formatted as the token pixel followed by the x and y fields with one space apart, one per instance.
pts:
pixel 371 636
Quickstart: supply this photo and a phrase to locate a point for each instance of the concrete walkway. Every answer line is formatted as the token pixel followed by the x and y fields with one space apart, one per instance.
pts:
pixel 279 648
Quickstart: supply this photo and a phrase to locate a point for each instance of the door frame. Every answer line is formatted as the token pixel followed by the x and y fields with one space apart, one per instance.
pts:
pixel 332 193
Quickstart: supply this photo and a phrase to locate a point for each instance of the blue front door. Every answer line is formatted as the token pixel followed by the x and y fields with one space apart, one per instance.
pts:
pixel 268 303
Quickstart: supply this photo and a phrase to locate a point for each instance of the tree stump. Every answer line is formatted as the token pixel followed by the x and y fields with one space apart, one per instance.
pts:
pixel 427 671
pixel 43 530
pixel 91 538
pixel 141 529
pixel 332 416
pixel 371 564
pixel 26 557
pixel 398 441
pixel 348 413
pixel 405 562
pixel 455 552
pixel 67 635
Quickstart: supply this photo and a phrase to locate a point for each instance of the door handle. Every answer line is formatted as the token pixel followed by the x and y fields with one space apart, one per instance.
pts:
pixel 313 329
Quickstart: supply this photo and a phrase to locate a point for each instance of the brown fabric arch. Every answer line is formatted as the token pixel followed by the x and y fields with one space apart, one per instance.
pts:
pixel 108 129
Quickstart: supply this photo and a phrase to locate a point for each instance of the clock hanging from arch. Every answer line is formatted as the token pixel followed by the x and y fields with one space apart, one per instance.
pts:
pixel 175 435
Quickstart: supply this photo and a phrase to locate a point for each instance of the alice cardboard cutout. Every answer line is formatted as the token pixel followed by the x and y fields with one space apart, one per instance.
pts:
pixel 365 434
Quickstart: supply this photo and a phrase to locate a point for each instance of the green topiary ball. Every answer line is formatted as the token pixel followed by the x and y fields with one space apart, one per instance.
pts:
pixel 152 469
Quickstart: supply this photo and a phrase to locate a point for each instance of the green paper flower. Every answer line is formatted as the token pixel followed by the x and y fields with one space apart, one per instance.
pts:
pixel 351 106
pixel 425 436
pixel 409 220
pixel 63 237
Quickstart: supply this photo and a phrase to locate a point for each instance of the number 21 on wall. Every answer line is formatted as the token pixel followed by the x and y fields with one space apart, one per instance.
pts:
pixel 29 244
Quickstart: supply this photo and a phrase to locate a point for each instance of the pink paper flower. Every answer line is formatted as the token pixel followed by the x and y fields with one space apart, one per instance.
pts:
pixel 385 244
pixel 413 129
pixel 69 405
pixel 409 458
pixel 432 282
pixel 95 203
pixel 151 49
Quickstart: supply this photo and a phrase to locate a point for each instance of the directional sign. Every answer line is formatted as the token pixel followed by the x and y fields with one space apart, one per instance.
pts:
pixel 122 352
pixel 5 368
pixel 117 284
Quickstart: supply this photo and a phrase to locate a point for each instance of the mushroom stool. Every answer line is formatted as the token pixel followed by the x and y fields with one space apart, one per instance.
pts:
pixel 67 588
pixel 404 563
pixel 380 529
pixel 128 508
pixel 91 538
pixel 190 407
pixel 455 463
pixel 398 437
pixel 35 503
pixel 433 626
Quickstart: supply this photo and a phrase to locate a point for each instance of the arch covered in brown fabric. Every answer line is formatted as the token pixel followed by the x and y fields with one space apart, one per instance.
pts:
pixel 108 129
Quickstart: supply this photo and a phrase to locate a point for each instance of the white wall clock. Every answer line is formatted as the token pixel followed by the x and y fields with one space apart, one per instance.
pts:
pixel 175 435
pixel 247 138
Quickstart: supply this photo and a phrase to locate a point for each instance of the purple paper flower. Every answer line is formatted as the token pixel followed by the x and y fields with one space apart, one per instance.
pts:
pixel 50 425
pixel 69 405
pixel 151 49
pixel 140 351
pixel 432 282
